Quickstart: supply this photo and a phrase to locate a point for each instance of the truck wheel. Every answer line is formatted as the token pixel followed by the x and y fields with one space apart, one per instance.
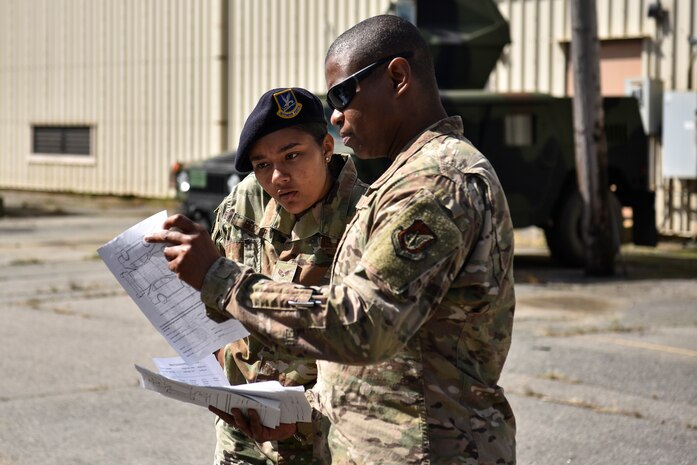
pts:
pixel 564 237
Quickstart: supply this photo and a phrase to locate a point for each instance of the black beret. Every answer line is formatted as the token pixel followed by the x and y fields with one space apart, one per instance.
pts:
pixel 277 109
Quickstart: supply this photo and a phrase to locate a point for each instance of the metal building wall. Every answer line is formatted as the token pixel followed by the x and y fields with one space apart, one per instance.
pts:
pixel 535 61
pixel 279 43
pixel 145 74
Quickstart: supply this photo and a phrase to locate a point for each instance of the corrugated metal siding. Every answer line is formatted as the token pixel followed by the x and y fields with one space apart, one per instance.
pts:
pixel 535 60
pixel 142 74
pixel 278 43
pixel 166 80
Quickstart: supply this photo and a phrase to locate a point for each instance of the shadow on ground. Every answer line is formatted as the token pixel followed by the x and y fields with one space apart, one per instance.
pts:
pixel 25 204
pixel 669 260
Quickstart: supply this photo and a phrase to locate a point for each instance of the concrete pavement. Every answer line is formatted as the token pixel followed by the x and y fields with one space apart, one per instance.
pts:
pixel 600 371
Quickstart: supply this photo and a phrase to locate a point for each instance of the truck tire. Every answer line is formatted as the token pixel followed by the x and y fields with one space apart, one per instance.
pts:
pixel 564 237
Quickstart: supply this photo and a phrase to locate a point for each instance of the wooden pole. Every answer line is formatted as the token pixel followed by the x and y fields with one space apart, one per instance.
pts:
pixel 589 135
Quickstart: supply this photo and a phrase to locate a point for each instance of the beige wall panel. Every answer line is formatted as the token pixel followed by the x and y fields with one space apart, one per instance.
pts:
pixel 524 63
pixel 617 18
pixel 560 23
pixel 142 74
pixel 166 80
pixel 681 21
pixel 500 76
pixel 277 43
pixel 517 55
pixel 636 17
pixel 604 9
pixel 535 60
pixel 544 47
pixel 531 47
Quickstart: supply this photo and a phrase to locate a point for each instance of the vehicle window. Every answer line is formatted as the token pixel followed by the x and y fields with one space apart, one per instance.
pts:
pixel 519 130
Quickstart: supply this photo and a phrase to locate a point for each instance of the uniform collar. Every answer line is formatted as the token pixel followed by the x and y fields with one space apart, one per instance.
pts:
pixel 451 125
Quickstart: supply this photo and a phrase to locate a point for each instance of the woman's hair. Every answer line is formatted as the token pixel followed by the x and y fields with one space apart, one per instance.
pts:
pixel 318 131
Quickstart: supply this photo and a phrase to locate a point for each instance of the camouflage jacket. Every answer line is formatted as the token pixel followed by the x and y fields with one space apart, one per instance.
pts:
pixel 416 324
pixel 252 228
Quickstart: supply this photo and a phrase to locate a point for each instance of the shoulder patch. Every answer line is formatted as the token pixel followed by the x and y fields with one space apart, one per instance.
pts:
pixel 411 242
pixel 416 238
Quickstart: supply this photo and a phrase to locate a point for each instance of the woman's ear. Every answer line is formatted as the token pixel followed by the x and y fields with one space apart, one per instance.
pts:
pixel 327 147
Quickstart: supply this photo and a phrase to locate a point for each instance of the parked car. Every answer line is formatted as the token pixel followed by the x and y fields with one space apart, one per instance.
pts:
pixel 202 186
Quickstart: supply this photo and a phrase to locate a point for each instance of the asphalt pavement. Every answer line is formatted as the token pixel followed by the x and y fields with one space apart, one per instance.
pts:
pixel 601 371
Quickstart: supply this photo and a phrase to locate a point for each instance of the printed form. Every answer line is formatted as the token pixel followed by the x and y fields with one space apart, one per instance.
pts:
pixel 204 384
pixel 173 307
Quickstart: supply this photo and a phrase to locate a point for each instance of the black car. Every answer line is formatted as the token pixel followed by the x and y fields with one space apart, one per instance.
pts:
pixel 202 186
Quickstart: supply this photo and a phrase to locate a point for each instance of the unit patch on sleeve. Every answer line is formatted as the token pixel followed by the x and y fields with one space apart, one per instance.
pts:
pixel 415 238
pixel 413 241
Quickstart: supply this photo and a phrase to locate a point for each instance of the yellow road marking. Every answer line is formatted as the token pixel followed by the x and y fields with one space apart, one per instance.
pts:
pixel 649 346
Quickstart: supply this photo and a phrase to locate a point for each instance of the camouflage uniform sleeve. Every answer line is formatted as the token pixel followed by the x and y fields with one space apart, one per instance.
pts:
pixel 416 247
pixel 222 230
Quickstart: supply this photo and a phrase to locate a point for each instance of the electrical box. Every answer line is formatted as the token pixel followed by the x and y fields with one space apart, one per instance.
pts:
pixel 679 136
pixel 649 93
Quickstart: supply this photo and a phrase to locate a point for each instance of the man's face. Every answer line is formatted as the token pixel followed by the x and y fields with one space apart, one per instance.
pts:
pixel 364 123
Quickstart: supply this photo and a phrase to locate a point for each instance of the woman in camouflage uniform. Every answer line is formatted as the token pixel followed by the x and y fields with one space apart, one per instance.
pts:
pixel 285 221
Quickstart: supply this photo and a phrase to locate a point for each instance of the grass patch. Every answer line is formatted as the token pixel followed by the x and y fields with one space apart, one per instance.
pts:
pixel 26 261
pixel 580 403
pixel 613 327
pixel 561 377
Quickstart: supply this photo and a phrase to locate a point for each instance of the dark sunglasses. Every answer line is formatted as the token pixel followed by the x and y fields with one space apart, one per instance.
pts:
pixel 341 94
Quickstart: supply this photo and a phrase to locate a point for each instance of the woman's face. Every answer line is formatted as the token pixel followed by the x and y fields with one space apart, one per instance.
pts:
pixel 291 167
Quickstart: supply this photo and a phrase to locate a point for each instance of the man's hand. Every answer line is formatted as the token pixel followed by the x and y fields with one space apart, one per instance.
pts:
pixel 252 426
pixel 190 250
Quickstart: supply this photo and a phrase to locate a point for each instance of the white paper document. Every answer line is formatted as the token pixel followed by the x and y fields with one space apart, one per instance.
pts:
pixel 274 403
pixel 173 307
pixel 206 372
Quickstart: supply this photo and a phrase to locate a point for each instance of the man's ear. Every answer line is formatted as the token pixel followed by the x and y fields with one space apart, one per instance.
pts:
pixel 400 73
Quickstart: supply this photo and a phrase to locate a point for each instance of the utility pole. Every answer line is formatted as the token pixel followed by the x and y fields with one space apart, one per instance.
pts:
pixel 589 136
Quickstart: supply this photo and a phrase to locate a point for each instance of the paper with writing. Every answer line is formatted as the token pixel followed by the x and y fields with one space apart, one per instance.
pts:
pixel 219 397
pixel 205 372
pixel 173 307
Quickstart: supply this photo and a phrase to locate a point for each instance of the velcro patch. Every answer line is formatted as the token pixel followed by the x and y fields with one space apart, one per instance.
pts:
pixel 416 237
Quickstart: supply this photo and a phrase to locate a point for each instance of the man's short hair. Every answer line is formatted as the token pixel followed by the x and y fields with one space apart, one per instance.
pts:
pixel 381 36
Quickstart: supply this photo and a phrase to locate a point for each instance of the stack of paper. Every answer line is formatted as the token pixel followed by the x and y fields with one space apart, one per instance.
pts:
pixel 176 311
pixel 204 384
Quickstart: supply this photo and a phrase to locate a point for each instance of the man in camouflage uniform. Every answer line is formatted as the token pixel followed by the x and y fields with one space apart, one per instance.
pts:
pixel 412 333
pixel 253 228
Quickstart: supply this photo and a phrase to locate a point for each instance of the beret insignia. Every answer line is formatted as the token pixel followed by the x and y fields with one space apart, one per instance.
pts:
pixel 411 242
pixel 288 105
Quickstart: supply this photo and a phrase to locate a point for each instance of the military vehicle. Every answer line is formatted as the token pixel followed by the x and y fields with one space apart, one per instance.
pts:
pixel 527 137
